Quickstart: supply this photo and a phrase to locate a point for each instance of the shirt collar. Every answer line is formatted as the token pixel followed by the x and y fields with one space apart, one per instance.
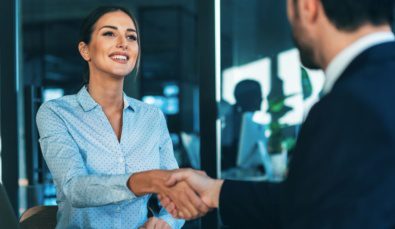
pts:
pixel 88 103
pixel 129 103
pixel 337 66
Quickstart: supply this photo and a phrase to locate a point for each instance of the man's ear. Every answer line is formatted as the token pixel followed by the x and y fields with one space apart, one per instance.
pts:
pixel 291 13
pixel 309 10
pixel 84 51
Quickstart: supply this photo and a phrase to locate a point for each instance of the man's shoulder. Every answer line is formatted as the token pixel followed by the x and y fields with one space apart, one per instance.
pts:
pixel 374 57
pixel 370 71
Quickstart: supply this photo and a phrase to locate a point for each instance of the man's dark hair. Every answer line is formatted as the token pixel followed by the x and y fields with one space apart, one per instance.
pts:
pixel 248 95
pixel 349 15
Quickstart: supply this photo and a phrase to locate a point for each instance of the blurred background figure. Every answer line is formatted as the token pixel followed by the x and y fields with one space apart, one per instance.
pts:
pixel 248 95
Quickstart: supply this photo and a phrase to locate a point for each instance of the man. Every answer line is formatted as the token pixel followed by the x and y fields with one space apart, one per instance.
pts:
pixel 342 174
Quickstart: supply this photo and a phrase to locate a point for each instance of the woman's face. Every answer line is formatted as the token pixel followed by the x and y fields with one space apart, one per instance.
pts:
pixel 113 49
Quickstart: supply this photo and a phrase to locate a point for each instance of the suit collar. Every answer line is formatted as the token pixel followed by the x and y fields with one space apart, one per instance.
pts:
pixel 337 66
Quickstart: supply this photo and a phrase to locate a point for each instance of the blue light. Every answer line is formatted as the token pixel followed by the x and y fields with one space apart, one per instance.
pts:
pixel 171 90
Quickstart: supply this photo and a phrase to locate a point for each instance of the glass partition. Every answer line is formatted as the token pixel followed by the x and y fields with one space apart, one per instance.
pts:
pixel 265 93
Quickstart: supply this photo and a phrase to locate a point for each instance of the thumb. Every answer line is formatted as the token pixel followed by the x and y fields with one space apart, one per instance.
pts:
pixel 176 177
pixel 201 172
pixel 173 179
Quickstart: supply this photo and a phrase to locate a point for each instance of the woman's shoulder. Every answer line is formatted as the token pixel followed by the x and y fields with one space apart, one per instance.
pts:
pixel 66 102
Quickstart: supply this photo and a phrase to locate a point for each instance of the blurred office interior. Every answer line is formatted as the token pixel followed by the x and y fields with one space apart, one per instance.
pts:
pixel 225 73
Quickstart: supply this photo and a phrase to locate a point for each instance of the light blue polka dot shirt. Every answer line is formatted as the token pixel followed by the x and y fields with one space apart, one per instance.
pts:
pixel 90 167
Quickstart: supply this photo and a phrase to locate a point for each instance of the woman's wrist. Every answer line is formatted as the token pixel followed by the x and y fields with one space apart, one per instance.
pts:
pixel 147 182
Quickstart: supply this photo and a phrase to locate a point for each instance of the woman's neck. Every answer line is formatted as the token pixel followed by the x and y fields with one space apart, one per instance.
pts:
pixel 108 93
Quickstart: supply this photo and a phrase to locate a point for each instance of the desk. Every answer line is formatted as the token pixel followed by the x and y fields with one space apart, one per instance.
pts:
pixel 250 174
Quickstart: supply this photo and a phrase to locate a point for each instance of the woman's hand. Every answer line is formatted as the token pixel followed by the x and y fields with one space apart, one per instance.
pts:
pixel 155 223
pixel 185 201
pixel 188 203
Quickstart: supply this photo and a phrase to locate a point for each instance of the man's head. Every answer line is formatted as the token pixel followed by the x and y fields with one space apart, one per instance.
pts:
pixel 248 95
pixel 349 15
pixel 309 18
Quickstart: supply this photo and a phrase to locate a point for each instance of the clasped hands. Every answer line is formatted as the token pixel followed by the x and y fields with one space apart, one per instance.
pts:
pixel 202 194
pixel 185 193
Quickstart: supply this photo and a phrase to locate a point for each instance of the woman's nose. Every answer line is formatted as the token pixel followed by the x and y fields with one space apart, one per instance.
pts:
pixel 122 43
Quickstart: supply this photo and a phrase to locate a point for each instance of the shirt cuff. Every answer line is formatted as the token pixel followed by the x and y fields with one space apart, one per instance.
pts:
pixel 122 184
pixel 173 223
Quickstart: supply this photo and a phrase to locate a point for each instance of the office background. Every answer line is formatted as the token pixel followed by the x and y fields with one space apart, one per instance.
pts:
pixel 201 62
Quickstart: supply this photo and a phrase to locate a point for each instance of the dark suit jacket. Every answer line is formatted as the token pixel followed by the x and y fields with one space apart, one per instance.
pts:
pixel 342 174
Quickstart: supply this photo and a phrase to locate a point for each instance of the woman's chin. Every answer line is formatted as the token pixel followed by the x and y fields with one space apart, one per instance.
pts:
pixel 120 74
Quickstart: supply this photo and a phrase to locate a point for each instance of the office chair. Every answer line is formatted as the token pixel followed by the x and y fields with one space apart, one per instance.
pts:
pixel 39 217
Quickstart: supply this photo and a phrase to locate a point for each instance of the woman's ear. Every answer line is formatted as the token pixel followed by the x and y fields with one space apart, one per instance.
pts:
pixel 83 48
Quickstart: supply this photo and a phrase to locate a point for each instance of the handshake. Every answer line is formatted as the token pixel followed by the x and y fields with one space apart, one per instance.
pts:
pixel 185 193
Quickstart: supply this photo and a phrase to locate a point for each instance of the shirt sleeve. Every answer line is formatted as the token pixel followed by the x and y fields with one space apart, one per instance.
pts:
pixel 167 162
pixel 68 169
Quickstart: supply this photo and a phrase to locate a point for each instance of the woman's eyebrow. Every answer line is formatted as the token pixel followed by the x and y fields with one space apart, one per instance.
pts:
pixel 116 28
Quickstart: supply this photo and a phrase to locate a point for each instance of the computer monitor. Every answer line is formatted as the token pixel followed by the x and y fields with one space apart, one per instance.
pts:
pixel 191 143
pixel 252 150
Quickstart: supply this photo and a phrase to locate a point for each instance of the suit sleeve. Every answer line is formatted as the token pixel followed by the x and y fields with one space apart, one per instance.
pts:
pixel 245 204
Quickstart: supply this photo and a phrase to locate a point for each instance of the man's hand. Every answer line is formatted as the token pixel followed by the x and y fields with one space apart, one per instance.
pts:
pixel 183 196
pixel 207 188
pixel 189 205
pixel 155 223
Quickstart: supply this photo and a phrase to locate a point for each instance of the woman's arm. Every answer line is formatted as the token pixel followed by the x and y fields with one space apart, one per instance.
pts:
pixel 68 169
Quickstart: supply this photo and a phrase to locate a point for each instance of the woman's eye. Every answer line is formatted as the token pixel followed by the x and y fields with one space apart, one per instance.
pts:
pixel 110 34
pixel 132 37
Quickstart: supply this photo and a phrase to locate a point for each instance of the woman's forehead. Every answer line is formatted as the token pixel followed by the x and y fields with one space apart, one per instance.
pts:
pixel 118 19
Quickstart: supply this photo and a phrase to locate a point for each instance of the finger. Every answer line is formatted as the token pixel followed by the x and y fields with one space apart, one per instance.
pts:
pixel 180 215
pixel 197 202
pixel 171 207
pixel 184 212
pixel 175 177
pixel 174 213
pixel 158 224
pixel 165 201
pixel 184 201
pixel 185 208
pixel 161 224
pixel 194 203
pixel 150 223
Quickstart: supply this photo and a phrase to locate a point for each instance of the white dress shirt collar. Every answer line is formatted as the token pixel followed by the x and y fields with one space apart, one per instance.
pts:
pixel 344 58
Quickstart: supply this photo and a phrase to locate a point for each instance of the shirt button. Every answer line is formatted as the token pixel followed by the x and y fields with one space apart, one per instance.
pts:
pixel 120 160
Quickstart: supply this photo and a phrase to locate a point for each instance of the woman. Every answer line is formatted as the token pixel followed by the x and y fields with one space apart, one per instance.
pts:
pixel 94 141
